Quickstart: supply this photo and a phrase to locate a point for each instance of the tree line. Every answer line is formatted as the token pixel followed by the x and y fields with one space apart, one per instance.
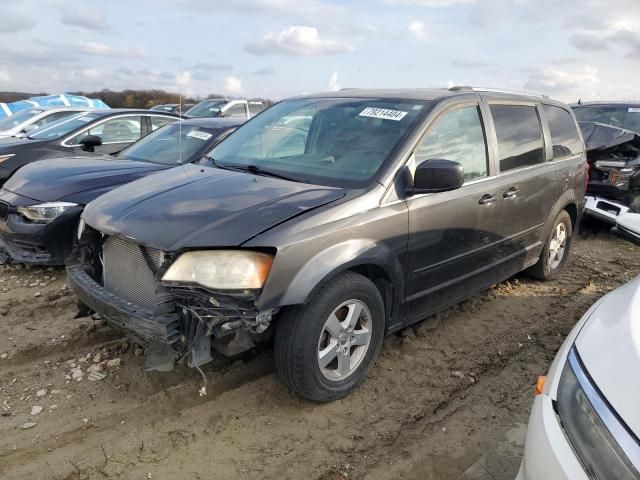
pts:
pixel 125 98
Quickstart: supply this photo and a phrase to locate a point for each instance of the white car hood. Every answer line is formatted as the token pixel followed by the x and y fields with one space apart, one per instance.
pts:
pixel 609 346
pixel 630 221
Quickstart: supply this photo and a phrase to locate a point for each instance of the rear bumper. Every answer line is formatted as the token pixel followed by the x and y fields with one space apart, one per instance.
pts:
pixel 135 320
pixel 604 209
pixel 548 454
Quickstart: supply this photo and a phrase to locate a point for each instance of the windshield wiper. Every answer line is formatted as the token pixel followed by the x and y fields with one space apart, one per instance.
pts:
pixel 270 173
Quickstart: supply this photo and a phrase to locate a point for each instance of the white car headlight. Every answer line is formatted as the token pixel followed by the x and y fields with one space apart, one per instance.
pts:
pixel 45 212
pixel 6 157
pixel 220 269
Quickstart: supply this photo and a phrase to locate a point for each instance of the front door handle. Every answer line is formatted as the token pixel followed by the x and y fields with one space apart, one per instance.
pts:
pixel 487 199
pixel 512 192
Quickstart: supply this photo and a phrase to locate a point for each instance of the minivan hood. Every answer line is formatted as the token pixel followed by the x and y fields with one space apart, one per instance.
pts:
pixel 609 346
pixel 200 207
pixel 51 180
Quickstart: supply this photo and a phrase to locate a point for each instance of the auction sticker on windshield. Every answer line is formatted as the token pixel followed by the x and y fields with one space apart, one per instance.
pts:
pixel 200 135
pixel 383 113
pixel 634 110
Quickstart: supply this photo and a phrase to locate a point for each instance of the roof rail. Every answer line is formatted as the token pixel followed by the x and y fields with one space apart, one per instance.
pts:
pixel 461 88
pixel 504 90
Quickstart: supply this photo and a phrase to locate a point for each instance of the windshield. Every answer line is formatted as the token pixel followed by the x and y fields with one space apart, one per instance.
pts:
pixel 329 141
pixel 18 118
pixel 64 126
pixel 169 144
pixel 208 108
pixel 615 115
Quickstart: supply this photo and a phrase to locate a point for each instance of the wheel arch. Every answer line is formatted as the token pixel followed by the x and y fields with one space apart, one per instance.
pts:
pixel 372 260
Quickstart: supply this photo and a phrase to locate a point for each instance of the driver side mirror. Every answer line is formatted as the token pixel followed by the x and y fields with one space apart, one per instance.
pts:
pixel 90 142
pixel 436 175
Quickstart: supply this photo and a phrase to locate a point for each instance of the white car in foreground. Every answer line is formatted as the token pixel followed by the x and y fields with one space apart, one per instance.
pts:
pixel 29 119
pixel 585 422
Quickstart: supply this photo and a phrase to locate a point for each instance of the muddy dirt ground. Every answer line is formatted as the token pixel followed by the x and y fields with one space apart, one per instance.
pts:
pixel 441 395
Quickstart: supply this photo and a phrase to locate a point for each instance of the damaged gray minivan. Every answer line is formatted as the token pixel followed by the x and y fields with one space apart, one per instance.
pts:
pixel 330 220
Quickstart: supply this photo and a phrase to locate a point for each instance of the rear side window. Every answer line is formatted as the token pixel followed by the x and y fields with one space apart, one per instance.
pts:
pixel 519 135
pixel 458 136
pixel 157 122
pixel 255 108
pixel 564 132
pixel 236 111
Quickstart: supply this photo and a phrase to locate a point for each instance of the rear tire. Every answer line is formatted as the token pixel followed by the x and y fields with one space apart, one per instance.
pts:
pixel 556 249
pixel 324 349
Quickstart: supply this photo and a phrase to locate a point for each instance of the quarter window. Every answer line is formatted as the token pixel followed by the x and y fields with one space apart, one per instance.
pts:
pixel 458 136
pixel 255 108
pixel 564 132
pixel 519 135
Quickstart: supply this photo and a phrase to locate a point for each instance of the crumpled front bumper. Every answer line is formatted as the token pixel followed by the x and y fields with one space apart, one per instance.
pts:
pixel 135 320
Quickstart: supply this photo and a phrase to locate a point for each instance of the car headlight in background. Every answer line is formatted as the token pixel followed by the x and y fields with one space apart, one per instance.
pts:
pixel 45 212
pixel 601 441
pixel 221 269
pixel 6 157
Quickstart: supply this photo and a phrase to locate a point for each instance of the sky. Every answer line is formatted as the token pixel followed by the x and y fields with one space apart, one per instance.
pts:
pixel 567 49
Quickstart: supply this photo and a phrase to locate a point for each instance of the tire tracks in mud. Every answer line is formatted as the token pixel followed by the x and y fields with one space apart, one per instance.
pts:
pixel 391 427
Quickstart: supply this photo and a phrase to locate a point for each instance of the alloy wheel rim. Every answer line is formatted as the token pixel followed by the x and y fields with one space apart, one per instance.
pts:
pixel 558 245
pixel 344 340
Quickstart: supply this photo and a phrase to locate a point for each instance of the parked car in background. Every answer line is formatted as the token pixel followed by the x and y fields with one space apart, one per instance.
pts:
pixel 614 177
pixel 624 115
pixel 369 212
pixel 225 108
pixel 628 227
pixel 27 120
pixel 40 204
pixel 97 132
pixel 173 107
pixel 585 421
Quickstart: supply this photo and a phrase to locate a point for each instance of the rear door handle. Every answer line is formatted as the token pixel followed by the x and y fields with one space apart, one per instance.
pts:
pixel 512 192
pixel 487 199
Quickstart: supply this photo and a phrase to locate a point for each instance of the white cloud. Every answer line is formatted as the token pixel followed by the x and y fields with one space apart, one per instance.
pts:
pixel 556 81
pixel 417 30
pixel 297 40
pixel 620 34
pixel 334 86
pixel 100 49
pixel 4 76
pixel 429 3
pixel 233 85
pixel 82 16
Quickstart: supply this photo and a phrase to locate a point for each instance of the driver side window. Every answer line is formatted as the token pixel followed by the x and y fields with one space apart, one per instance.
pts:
pixel 458 136
pixel 116 130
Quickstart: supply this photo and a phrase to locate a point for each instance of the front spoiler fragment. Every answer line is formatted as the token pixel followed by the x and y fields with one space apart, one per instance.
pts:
pixel 135 320
pixel 604 209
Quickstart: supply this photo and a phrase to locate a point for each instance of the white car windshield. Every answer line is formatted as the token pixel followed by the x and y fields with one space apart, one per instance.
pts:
pixel 64 126
pixel 19 118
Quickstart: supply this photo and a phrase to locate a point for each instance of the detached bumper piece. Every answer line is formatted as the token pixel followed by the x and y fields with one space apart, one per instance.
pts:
pixel 29 252
pixel 135 320
pixel 604 209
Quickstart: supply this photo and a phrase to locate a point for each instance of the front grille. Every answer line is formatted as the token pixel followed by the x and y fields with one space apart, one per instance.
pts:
pixel 128 275
pixel 4 210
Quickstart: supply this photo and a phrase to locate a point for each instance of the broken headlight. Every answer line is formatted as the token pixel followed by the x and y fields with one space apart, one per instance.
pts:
pixel 619 172
pixel 600 439
pixel 220 269
pixel 45 212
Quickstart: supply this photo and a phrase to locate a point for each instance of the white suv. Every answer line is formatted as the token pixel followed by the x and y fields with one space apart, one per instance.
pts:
pixel 221 107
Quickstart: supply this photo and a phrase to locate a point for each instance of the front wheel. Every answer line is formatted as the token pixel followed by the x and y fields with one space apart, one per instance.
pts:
pixel 556 249
pixel 324 349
